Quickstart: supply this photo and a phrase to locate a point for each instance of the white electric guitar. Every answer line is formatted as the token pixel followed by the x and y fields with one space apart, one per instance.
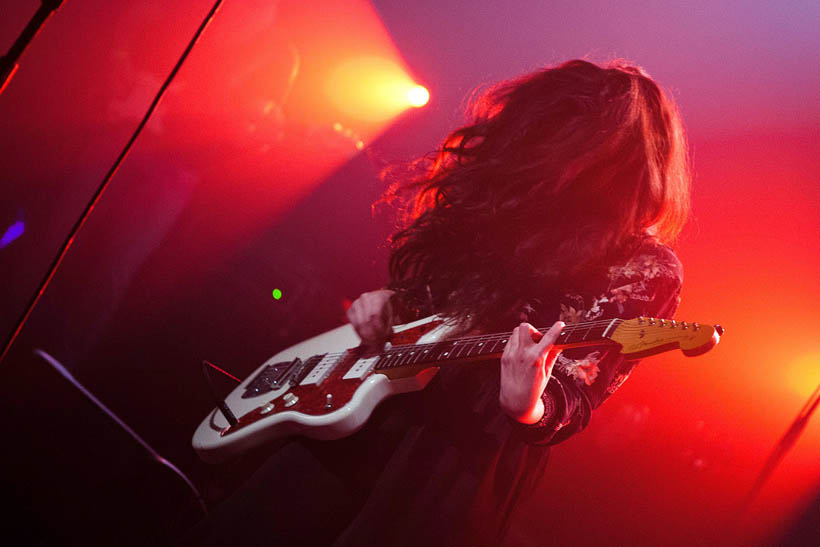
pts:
pixel 327 387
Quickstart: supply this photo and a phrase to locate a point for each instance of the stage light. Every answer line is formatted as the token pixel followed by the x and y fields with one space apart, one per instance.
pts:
pixel 373 89
pixel 803 374
pixel 418 96
pixel 277 294
pixel 13 232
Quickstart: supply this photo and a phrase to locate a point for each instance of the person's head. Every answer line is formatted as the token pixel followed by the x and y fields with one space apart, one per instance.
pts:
pixel 557 172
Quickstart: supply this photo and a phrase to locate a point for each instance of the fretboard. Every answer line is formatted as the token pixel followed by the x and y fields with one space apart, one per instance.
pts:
pixel 488 346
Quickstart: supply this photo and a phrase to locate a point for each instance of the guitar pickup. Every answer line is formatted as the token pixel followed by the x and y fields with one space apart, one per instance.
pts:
pixel 269 378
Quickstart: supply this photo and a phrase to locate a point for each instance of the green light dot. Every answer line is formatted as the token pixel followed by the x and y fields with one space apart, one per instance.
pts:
pixel 277 294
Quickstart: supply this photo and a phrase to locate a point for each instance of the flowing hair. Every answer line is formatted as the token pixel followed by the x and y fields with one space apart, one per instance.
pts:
pixel 558 173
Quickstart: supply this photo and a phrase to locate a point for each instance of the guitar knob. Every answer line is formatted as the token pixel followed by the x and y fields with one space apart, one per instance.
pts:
pixel 719 330
pixel 329 401
pixel 695 326
pixel 267 408
pixel 290 399
pixel 684 325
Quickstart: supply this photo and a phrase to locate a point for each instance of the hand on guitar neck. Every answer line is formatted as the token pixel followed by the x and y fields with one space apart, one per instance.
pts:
pixel 525 366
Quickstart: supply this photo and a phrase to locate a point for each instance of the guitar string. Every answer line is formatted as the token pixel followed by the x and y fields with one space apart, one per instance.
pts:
pixel 569 329
pixel 489 338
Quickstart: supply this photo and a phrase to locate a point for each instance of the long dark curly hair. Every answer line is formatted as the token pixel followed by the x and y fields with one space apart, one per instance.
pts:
pixel 558 173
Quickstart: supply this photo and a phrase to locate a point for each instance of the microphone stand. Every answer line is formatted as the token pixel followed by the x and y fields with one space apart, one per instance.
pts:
pixel 784 445
pixel 8 62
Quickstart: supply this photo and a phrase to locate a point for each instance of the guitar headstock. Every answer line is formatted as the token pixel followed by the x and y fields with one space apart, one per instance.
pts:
pixel 646 336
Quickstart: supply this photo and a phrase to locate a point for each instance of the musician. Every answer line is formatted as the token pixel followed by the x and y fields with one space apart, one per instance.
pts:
pixel 552 206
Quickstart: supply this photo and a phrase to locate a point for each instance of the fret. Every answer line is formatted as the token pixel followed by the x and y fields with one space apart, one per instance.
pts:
pixel 609 326
pixel 486 346
pixel 499 345
pixel 490 345
pixel 390 362
pixel 444 354
pixel 574 334
pixel 401 357
pixel 410 355
pixel 424 354
pixel 458 351
pixel 415 356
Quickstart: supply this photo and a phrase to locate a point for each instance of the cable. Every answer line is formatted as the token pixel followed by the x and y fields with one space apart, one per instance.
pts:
pixel 220 403
pixel 153 453
pixel 104 184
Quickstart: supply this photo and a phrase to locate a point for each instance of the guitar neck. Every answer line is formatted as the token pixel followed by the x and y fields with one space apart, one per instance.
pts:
pixel 404 360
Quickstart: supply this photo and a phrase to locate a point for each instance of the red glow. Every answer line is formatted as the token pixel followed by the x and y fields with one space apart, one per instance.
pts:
pixel 262 132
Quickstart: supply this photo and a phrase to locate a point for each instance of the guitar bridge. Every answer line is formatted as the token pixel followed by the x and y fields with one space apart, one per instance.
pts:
pixel 269 378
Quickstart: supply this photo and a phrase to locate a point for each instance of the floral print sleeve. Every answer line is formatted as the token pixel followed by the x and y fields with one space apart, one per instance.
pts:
pixel 647 284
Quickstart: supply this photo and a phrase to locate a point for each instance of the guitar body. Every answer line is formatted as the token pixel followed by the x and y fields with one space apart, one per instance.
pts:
pixel 306 409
